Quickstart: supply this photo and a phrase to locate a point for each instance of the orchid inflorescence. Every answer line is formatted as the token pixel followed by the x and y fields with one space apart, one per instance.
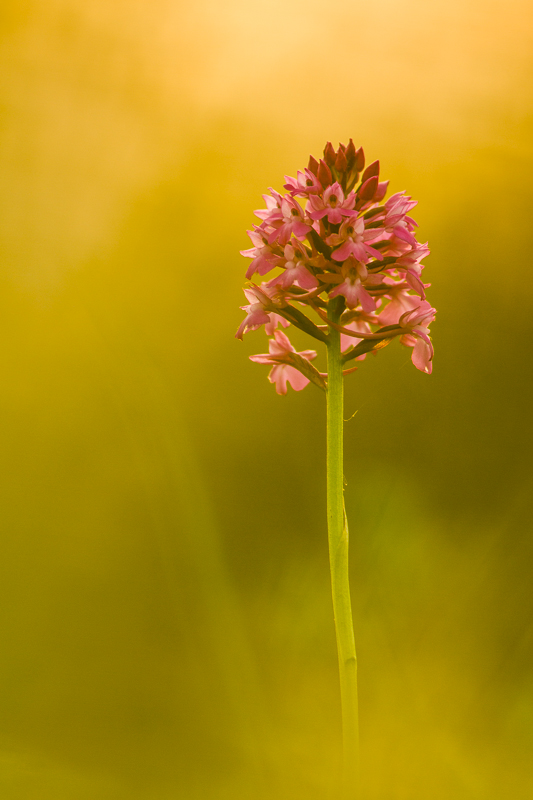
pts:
pixel 338 240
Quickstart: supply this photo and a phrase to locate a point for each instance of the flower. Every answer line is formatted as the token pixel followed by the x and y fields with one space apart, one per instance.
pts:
pixel 333 242
pixel 354 273
pixel 295 270
pixel 332 204
pixel 264 258
pixel 306 183
pixel 353 236
pixel 396 221
pixel 281 373
pixel 410 262
pixel 273 204
pixel 419 321
pixel 256 311
pixel 283 219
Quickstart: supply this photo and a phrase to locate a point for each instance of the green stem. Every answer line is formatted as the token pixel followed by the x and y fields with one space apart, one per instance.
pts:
pixel 338 556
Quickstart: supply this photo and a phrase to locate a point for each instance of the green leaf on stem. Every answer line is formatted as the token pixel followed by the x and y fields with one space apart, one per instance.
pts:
pixel 366 346
pixel 304 366
pixel 302 322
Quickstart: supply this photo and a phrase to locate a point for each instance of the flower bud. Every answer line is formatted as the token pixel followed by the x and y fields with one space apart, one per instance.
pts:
pixel 324 174
pixel 360 160
pixel 350 154
pixel 368 189
pixel 370 171
pixel 329 154
pixel 341 165
pixel 313 165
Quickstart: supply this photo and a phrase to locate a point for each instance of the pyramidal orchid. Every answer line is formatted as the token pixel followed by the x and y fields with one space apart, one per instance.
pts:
pixel 348 272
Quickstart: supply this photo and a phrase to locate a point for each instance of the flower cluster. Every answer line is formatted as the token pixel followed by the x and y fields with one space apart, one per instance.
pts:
pixel 333 235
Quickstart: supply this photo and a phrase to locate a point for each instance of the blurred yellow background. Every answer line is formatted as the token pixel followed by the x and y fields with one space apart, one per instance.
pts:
pixel 165 617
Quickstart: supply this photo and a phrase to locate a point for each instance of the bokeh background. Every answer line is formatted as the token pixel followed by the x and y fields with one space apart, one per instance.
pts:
pixel 165 617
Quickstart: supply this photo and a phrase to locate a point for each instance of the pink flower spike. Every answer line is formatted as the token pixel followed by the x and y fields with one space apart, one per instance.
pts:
pixel 281 374
pixel 333 234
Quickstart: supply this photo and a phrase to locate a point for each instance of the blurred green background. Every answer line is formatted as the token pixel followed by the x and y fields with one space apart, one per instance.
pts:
pixel 165 617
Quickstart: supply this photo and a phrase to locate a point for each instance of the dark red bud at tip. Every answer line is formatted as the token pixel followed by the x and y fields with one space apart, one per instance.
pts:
pixel 368 189
pixel 350 154
pixel 370 171
pixel 359 160
pixel 329 154
pixel 313 165
pixel 341 165
pixel 324 174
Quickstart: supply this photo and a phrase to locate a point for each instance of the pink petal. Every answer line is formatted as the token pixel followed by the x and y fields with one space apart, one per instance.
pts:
pixel 261 358
pixel 296 379
pixel 422 356
pixel 278 376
